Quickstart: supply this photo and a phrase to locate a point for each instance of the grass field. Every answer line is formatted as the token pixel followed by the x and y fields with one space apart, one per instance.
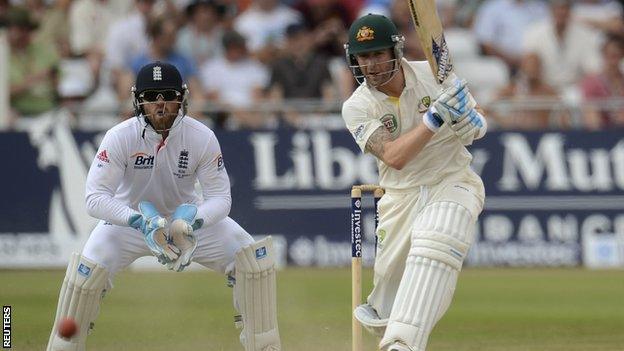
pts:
pixel 493 309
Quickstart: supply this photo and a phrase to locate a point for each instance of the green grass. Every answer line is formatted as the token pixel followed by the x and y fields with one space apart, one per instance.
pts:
pixel 493 309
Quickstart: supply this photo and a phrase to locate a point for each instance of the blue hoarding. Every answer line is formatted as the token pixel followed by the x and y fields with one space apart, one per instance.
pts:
pixel 544 192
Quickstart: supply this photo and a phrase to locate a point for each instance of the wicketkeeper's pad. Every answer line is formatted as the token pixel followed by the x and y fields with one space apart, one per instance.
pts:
pixel 255 296
pixel 81 293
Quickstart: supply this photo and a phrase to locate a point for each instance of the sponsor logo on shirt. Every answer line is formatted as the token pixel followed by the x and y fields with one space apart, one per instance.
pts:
pixel 381 236
pixel 390 122
pixel 424 104
pixel 103 156
pixel 359 132
pixel 143 160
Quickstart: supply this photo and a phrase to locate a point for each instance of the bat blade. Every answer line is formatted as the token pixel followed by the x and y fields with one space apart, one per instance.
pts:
pixel 431 35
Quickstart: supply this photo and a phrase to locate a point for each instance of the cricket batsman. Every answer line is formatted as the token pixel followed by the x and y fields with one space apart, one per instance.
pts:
pixel 418 132
pixel 141 185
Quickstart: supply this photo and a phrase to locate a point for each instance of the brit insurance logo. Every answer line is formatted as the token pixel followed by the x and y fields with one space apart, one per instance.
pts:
pixel 391 123
pixel 143 160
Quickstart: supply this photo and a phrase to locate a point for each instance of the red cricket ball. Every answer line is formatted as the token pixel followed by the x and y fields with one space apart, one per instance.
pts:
pixel 67 328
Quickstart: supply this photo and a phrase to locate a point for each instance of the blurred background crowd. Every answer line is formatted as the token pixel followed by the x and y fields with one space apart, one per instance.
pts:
pixel 533 65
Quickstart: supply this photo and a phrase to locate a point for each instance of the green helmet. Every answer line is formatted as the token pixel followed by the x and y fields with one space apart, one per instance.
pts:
pixel 372 33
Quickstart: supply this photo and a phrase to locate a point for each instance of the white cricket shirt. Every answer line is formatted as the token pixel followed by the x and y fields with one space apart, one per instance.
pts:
pixel 367 109
pixel 130 167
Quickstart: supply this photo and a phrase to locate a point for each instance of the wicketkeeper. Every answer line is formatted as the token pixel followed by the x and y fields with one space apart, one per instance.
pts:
pixel 427 216
pixel 142 186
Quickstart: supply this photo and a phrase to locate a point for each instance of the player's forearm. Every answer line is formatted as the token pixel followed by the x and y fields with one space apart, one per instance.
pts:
pixel 399 152
pixel 105 207
pixel 214 209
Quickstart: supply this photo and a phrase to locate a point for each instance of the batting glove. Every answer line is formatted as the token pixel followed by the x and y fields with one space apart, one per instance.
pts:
pixel 449 106
pixel 470 126
pixel 183 223
pixel 152 225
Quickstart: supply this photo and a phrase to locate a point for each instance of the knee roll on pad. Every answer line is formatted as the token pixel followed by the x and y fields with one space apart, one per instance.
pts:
pixel 255 296
pixel 79 299
pixel 443 232
pixel 441 237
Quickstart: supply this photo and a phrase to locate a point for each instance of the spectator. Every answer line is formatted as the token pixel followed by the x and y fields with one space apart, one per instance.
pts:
pixel 162 32
pixel 89 22
pixel 603 15
pixel 300 72
pixel 500 26
pixel 466 12
pixel 401 16
pixel 567 49
pixel 127 38
pixel 328 20
pixel 32 77
pixel 201 37
pixel 235 81
pixel 263 25
pixel 4 9
pixel 608 84
pixel 527 89
pixel 53 24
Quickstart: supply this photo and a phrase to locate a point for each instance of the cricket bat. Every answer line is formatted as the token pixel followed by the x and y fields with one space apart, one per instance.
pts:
pixel 431 36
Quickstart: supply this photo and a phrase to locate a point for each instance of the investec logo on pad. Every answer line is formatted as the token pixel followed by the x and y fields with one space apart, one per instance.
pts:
pixel 143 160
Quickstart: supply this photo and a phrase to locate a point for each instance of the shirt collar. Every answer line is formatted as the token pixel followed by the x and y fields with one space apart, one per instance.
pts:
pixel 410 75
pixel 410 81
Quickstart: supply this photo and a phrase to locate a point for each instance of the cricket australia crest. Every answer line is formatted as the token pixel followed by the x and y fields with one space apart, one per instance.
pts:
pixel 391 123
pixel 364 34
pixel 424 104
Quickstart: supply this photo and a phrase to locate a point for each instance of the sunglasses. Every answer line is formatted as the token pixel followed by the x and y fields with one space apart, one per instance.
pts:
pixel 154 95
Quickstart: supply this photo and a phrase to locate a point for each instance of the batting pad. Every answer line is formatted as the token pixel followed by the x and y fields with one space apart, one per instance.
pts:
pixel 255 296
pixel 442 235
pixel 80 297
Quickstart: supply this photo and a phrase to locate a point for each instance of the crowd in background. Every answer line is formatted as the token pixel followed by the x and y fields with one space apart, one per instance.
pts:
pixel 524 59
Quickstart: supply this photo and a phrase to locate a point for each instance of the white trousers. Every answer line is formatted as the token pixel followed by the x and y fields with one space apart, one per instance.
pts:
pixel 398 210
pixel 115 247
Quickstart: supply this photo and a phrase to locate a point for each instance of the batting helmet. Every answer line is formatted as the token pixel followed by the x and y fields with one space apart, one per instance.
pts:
pixel 372 33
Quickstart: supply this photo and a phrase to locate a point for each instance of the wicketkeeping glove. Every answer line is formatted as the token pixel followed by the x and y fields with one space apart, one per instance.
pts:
pixel 183 223
pixel 152 225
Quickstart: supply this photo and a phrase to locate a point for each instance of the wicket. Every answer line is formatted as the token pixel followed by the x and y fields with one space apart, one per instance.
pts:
pixel 356 253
